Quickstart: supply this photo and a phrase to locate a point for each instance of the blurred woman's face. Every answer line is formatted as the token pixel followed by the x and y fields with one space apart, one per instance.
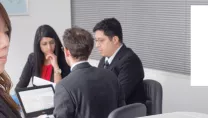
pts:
pixel 4 44
pixel 47 45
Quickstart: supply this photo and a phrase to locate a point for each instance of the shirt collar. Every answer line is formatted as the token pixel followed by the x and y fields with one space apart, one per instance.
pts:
pixel 110 59
pixel 77 64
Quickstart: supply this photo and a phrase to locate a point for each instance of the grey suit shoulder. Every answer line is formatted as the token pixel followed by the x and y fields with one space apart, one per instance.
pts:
pixel 85 90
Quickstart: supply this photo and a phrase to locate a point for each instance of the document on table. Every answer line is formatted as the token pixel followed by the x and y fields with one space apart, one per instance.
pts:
pixel 40 81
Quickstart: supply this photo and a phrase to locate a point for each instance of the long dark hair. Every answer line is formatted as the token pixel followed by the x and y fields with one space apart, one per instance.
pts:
pixel 5 81
pixel 45 31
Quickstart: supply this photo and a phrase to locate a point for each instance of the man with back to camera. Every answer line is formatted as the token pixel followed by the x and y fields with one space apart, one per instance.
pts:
pixel 87 92
pixel 120 59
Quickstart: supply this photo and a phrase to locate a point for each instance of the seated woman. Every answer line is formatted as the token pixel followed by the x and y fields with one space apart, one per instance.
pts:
pixel 47 61
pixel 8 108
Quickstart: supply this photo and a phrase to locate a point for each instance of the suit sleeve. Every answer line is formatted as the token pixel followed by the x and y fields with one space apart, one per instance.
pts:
pixel 131 73
pixel 65 68
pixel 26 73
pixel 64 105
pixel 2 115
pixel 121 97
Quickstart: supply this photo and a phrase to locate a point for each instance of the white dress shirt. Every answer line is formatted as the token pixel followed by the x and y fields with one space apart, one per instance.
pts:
pixel 110 59
pixel 73 65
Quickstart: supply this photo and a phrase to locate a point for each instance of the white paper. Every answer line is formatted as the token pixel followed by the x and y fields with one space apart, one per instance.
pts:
pixel 40 81
pixel 46 116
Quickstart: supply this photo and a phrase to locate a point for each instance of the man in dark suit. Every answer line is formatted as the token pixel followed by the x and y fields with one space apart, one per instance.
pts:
pixel 120 59
pixel 87 92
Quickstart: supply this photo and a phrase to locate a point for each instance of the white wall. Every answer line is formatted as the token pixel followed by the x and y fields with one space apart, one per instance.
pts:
pixel 178 95
pixel 56 13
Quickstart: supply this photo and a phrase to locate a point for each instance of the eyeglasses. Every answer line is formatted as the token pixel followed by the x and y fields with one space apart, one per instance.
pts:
pixel 62 48
pixel 100 41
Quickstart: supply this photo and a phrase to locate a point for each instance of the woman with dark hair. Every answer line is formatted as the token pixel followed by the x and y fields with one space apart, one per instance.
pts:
pixel 47 61
pixel 8 108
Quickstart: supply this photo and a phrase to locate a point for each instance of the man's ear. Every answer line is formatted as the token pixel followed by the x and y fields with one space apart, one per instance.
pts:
pixel 67 52
pixel 115 40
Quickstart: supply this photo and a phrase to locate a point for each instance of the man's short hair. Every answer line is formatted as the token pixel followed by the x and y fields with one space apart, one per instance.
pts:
pixel 111 27
pixel 79 42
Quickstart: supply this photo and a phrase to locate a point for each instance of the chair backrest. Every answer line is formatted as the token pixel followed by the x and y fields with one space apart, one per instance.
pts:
pixel 154 95
pixel 129 111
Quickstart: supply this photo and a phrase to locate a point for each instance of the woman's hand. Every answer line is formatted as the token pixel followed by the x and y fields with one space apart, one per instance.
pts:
pixel 53 59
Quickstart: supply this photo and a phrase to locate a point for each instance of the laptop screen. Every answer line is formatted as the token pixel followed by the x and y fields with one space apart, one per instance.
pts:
pixel 37 99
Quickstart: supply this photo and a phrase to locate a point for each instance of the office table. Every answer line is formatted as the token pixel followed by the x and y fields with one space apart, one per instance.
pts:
pixel 178 115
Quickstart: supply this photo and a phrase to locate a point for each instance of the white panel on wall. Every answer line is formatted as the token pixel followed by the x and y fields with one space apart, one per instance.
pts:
pixel 199 45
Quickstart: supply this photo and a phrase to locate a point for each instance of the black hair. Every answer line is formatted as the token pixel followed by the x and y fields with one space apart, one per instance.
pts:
pixel 111 27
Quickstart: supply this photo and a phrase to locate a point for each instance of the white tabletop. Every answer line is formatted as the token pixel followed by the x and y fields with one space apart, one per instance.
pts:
pixel 179 115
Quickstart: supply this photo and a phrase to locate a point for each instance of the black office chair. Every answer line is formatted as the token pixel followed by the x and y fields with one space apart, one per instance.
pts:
pixel 129 111
pixel 154 95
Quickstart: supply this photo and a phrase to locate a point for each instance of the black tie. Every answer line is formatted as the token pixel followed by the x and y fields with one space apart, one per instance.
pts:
pixel 106 64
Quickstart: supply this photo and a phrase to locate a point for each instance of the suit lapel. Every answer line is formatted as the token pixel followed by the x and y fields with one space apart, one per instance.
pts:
pixel 118 56
pixel 101 63
pixel 81 66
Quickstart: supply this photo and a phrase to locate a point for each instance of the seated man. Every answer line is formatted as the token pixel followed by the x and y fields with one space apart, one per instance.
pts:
pixel 120 59
pixel 87 92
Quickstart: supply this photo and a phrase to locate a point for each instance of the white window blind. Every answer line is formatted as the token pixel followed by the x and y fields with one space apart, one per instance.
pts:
pixel 157 30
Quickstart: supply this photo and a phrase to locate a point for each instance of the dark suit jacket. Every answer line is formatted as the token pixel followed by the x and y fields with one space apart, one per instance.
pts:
pixel 6 111
pixel 87 92
pixel 129 70
pixel 29 71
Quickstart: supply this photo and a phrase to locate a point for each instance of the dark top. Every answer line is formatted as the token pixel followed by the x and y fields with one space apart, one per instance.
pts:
pixel 29 71
pixel 129 70
pixel 6 111
pixel 87 92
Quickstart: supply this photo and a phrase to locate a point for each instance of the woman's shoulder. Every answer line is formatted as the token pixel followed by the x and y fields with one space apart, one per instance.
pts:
pixel 1 101
pixel 31 57
pixel 3 105
pixel 6 111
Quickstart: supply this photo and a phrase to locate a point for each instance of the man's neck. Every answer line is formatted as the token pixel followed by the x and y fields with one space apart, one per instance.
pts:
pixel 115 49
pixel 110 59
pixel 74 63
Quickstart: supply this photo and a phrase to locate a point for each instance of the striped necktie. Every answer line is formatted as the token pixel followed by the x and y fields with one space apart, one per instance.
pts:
pixel 106 64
